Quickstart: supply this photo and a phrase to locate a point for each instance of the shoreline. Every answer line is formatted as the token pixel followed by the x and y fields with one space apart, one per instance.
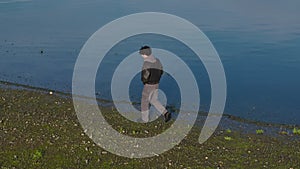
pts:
pixel 108 103
pixel 41 130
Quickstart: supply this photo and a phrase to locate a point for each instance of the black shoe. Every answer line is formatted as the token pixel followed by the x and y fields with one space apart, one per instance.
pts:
pixel 167 116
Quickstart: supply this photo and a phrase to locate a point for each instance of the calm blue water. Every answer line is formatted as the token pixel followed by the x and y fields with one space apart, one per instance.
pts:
pixel 258 43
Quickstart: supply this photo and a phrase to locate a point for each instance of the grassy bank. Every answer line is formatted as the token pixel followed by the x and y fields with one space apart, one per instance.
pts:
pixel 41 130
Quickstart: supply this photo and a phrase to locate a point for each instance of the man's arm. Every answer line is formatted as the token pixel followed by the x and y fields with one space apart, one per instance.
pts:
pixel 145 73
pixel 161 68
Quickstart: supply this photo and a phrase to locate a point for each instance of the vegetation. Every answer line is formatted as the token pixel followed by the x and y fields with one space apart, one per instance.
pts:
pixel 296 131
pixel 228 131
pixel 228 138
pixel 259 131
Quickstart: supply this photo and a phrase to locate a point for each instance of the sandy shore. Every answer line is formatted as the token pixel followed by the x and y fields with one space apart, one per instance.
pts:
pixel 41 130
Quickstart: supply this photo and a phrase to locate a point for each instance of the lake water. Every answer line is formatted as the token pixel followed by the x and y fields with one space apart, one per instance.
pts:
pixel 258 43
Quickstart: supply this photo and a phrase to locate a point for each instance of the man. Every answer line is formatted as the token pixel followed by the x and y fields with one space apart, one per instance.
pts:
pixel 151 74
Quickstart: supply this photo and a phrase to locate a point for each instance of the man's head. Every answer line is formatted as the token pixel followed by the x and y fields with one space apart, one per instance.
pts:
pixel 145 51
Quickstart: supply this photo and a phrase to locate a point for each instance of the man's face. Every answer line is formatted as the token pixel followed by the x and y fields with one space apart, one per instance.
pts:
pixel 144 56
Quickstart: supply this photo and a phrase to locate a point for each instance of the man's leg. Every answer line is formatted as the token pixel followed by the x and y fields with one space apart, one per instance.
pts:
pixel 145 103
pixel 154 99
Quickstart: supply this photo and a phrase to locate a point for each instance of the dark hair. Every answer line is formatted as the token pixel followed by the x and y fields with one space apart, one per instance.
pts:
pixel 145 50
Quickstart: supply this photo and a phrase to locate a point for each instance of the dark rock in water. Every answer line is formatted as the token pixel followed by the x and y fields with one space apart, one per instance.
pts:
pixel 42 51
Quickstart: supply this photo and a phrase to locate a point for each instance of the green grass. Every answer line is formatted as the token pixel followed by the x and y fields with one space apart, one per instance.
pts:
pixel 296 131
pixel 228 131
pixel 259 131
pixel 37 155
pixel 283 132
pixel 227 138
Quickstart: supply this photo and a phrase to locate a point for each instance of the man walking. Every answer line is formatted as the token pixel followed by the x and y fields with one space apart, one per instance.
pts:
pixel 151 74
